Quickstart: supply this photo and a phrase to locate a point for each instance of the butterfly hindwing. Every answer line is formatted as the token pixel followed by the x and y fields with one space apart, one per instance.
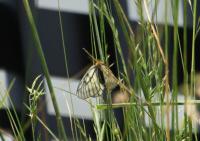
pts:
pixel 109 79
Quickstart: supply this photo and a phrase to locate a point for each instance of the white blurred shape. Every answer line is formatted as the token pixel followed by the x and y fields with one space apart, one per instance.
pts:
pixel 6 136
pixel 80 108
pixel 74 6
pixel 3 88
pixel 160 16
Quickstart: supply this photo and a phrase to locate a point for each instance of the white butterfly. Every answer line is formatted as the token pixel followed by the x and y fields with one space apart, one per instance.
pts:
pixel 97 80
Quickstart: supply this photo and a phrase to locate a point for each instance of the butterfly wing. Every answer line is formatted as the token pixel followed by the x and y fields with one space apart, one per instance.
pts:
pixel 110 80
pixel 90 85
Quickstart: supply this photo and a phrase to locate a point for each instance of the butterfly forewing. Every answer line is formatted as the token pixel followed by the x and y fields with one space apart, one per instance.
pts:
pixel 90 85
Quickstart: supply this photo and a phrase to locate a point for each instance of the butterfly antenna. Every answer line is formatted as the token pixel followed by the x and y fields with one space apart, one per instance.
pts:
pixel 94 59
pixel 111 65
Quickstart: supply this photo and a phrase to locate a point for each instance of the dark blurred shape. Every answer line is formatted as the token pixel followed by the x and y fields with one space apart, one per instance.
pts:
pixel 11 58
pixel 11 51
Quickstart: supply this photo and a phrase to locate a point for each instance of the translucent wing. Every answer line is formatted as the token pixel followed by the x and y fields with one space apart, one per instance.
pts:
pixel 110 80
pixel 92 84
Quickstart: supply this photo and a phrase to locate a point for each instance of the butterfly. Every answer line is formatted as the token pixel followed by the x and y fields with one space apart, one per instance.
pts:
pixel 97 80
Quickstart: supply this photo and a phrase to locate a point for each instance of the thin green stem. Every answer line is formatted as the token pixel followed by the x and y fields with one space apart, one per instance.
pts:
pixel 44 68
pixel 104 106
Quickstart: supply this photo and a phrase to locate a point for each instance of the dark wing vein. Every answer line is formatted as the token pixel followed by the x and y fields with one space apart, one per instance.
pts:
pixel 90 86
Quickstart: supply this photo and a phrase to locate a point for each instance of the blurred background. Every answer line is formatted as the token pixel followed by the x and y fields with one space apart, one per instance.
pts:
pixel 19 60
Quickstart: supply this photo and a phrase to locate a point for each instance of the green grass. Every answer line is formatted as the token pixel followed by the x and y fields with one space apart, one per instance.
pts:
pixel 147 60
